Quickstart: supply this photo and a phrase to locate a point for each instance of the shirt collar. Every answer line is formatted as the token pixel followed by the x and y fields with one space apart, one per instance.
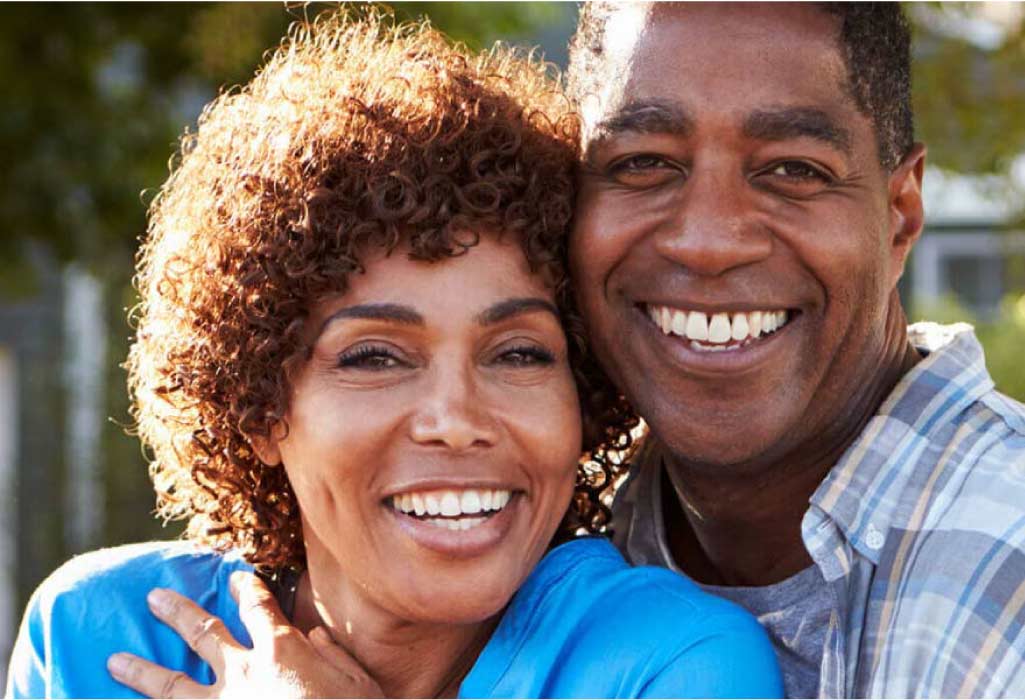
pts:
pixel 865 494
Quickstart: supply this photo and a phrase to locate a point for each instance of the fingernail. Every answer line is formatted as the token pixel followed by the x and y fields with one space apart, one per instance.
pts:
pixel 117 664
pixel 159 599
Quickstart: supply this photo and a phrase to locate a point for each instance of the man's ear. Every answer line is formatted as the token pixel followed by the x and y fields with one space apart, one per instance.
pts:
pixel 907 213
pixel 267 447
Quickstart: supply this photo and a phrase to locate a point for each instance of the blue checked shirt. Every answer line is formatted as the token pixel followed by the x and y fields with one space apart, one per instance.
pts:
pixel 919 532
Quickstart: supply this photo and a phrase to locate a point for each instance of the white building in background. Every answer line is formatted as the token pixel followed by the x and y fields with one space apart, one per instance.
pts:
pixel 968 252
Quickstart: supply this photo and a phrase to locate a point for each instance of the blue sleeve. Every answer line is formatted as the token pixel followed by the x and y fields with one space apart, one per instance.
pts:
pixel 95 605
pixel 733 660
pixel 26 674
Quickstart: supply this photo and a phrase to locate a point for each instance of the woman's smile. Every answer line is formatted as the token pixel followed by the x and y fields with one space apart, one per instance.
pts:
pixel 460 523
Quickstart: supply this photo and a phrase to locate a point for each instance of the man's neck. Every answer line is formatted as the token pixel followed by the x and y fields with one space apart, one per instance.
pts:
pixel 741 526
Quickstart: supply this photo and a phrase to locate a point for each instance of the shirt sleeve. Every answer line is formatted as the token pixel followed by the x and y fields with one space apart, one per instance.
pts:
pixel 733 660
pixel 26 674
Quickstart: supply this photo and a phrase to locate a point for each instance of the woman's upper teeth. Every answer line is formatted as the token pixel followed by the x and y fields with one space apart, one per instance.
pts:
pixel 451 503
pixel 720 328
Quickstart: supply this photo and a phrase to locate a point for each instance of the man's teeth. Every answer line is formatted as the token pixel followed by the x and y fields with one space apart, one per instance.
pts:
pixel 721 329
pixel 452 506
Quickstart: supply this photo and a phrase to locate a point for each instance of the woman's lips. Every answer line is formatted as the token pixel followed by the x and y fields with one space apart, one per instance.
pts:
pixel 450 503
pixel 464 523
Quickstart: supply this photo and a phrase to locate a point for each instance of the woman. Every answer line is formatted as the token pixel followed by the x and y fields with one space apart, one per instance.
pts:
pixel 358 369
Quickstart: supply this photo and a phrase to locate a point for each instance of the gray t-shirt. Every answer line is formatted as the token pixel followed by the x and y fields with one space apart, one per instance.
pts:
pixel 795 612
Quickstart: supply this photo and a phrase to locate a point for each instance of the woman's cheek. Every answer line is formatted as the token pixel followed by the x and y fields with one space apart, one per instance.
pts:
pixel 555 427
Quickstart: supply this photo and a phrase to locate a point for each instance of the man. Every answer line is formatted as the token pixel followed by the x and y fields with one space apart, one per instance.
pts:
pixel 750 192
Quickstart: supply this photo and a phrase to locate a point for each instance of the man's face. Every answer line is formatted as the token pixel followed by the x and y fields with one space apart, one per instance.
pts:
pixel 733 187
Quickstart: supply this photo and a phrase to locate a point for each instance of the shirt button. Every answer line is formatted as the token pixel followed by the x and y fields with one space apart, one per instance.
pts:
pixel 873 538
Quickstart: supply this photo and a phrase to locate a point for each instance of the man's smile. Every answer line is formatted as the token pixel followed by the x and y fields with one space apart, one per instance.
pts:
pixel 722 331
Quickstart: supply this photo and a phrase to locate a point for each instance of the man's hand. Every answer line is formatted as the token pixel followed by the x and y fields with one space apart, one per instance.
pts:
pixel 282 663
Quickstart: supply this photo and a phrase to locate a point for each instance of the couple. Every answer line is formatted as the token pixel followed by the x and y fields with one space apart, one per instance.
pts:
pixel 360 366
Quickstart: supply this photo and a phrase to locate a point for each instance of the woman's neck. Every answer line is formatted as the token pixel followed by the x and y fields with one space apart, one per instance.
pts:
pixel 407 659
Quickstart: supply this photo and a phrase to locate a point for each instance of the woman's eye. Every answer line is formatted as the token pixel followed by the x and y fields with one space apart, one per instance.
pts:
pixel 370 357
pixel 526 356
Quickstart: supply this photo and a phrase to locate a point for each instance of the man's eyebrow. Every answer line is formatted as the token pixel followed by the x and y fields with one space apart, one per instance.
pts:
pixel 797 122
pixel 396 313
pixel 513 307
pixel 647 117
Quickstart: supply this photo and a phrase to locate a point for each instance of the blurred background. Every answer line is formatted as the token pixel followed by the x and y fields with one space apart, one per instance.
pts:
pixel 95 96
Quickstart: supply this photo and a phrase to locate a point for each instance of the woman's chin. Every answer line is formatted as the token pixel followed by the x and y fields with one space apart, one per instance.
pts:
pixel 457 574
pixel 474 608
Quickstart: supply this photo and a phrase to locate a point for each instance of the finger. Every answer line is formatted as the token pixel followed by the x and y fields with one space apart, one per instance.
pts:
pixel 259 609
pixel 333 653
pixel 152 680
pixel 205 634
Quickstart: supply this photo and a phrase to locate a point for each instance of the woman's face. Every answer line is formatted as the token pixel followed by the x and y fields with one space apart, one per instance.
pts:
pixel 433 434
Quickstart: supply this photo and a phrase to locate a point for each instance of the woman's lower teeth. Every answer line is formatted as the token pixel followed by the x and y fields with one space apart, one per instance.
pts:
pixel 454 523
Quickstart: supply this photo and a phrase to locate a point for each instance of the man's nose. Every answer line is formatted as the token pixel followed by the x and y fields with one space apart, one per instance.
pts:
pixel 712 229
pixel 453 413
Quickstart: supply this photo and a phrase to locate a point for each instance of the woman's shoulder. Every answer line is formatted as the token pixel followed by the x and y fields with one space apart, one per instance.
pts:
pixel 95 604
pixel 589 575
pixel 586 623
pixel 143 565
pixel 124 575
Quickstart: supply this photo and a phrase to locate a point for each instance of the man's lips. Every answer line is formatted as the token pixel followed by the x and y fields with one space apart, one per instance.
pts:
pixel 702 343
pixel 720 330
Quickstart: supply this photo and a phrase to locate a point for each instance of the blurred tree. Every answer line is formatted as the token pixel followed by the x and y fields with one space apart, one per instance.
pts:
pixel 96 95
pixel 969 84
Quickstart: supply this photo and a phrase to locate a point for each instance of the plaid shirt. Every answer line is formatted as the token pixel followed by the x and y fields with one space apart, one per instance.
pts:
pixel 919 530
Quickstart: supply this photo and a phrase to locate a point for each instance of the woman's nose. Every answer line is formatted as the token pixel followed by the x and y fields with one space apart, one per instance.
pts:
pixel 454 414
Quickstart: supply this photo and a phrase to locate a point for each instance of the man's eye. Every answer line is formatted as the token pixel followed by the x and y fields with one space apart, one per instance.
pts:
pixel 797 170
pixel 526 356
pixel 370 357
pixel 645 161
pixel 643 170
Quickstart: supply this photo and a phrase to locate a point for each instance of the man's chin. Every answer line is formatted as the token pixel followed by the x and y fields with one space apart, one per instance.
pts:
pixel 738 448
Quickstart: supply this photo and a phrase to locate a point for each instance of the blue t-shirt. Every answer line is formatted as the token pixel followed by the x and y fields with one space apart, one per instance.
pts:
pixel 584 624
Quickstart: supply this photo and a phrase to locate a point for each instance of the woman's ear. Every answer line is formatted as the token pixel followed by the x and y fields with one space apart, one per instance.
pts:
pixel 267 447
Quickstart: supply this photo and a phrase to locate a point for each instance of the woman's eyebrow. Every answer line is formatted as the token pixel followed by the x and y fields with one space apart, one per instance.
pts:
pixel 397 313
pixel 499 312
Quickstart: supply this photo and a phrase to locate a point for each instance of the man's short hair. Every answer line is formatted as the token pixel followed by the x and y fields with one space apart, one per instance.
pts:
pixel 875 40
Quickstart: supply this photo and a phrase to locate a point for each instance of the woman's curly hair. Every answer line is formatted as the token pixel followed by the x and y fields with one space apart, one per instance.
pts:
pixel 357 133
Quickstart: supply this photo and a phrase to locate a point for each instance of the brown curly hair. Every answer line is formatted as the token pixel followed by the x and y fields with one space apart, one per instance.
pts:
pixel 357 133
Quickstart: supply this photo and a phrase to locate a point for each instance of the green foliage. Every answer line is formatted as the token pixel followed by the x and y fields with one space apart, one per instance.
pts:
pixel 969 96
pixel 968 99
pixel 1002 337
pixel 96 95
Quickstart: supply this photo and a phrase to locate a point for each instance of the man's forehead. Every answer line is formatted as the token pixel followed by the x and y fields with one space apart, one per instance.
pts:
pixel 656 53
